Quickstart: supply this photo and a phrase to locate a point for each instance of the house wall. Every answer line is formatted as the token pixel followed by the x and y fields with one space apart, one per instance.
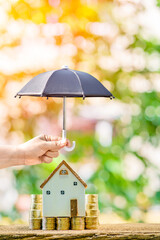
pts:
pixel 58 205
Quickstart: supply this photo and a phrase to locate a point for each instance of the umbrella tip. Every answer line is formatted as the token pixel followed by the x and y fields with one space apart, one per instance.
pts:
pixel 65 67
pixel 112 97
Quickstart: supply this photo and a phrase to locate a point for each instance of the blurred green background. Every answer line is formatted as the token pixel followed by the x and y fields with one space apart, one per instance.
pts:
pixel 118 141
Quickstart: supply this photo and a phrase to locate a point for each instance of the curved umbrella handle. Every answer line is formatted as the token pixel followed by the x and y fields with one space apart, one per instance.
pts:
pixel 68 149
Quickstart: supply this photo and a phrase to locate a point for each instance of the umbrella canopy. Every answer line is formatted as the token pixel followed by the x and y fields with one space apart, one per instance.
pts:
pixel 64 83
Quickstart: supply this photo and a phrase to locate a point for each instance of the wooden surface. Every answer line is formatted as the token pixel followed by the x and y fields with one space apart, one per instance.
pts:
pixel 109 231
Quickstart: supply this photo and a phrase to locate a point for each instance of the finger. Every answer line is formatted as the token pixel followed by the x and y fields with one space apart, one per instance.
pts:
pixel 55 145
pixel 46 137
pixel 52 154
pixel 46 159
pixel 53 138
pixel 68 143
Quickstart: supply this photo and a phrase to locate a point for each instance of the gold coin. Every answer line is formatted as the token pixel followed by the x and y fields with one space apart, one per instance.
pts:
pixel 35 223
pixel 77 219
pixel 63 223
pixel 93 206
pixel 36 206
pixel 92 198
pixel 49 223
pixel 91 219
pixel 35 214
pixel 63 219
pixel 92 212
pixel 49 220
pixel 63 227
pixel 36 198
pixel 91 226
pixel 77 223
pixel 92 222
pixel 77 227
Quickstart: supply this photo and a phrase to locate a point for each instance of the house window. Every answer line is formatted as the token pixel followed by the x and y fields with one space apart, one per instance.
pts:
pixel 63 172
pixel 48 192
pixel 75 183
pixel 62 192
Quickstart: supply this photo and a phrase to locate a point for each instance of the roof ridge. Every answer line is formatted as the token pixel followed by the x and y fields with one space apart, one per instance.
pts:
pixel 56 169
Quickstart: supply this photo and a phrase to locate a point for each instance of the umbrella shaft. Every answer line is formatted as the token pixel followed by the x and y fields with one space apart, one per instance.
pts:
pixel 64 113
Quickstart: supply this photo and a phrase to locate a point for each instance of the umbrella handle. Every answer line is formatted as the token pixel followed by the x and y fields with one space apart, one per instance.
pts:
pixel 68 149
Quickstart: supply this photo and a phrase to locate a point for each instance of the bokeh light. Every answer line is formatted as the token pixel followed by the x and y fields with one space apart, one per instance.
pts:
pixel 118 144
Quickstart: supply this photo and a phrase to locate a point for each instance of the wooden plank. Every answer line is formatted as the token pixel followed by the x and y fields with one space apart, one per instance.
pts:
pixel 74 209
pixel 104 232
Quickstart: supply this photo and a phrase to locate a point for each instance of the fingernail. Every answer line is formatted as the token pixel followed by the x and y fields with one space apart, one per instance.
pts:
pixel 60 143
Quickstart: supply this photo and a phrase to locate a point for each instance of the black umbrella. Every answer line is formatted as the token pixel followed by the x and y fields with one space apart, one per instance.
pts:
pixel 64 83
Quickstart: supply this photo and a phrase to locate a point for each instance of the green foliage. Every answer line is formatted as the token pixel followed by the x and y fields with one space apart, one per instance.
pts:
pixel 158 3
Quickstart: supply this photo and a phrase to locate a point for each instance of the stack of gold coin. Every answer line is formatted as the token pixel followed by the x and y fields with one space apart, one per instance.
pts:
pixel 77 223
pixel 49 223
pixel 35 223
pixel 92 222
pixel 92 212
pixel 35 215
pixel 63 223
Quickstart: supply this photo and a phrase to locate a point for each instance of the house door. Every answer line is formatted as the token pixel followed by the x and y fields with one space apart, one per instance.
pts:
pixel 74 208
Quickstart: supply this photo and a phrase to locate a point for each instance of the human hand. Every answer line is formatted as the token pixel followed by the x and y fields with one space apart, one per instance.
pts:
pixel 41 149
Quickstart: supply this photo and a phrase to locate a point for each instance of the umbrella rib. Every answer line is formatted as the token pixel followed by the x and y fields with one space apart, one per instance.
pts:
pixel 79 81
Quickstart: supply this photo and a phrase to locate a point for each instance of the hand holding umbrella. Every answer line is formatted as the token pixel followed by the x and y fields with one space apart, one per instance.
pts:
pixel 41 149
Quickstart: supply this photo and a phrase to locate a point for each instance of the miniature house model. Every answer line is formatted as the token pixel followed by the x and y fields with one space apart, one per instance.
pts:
pixel 63 193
